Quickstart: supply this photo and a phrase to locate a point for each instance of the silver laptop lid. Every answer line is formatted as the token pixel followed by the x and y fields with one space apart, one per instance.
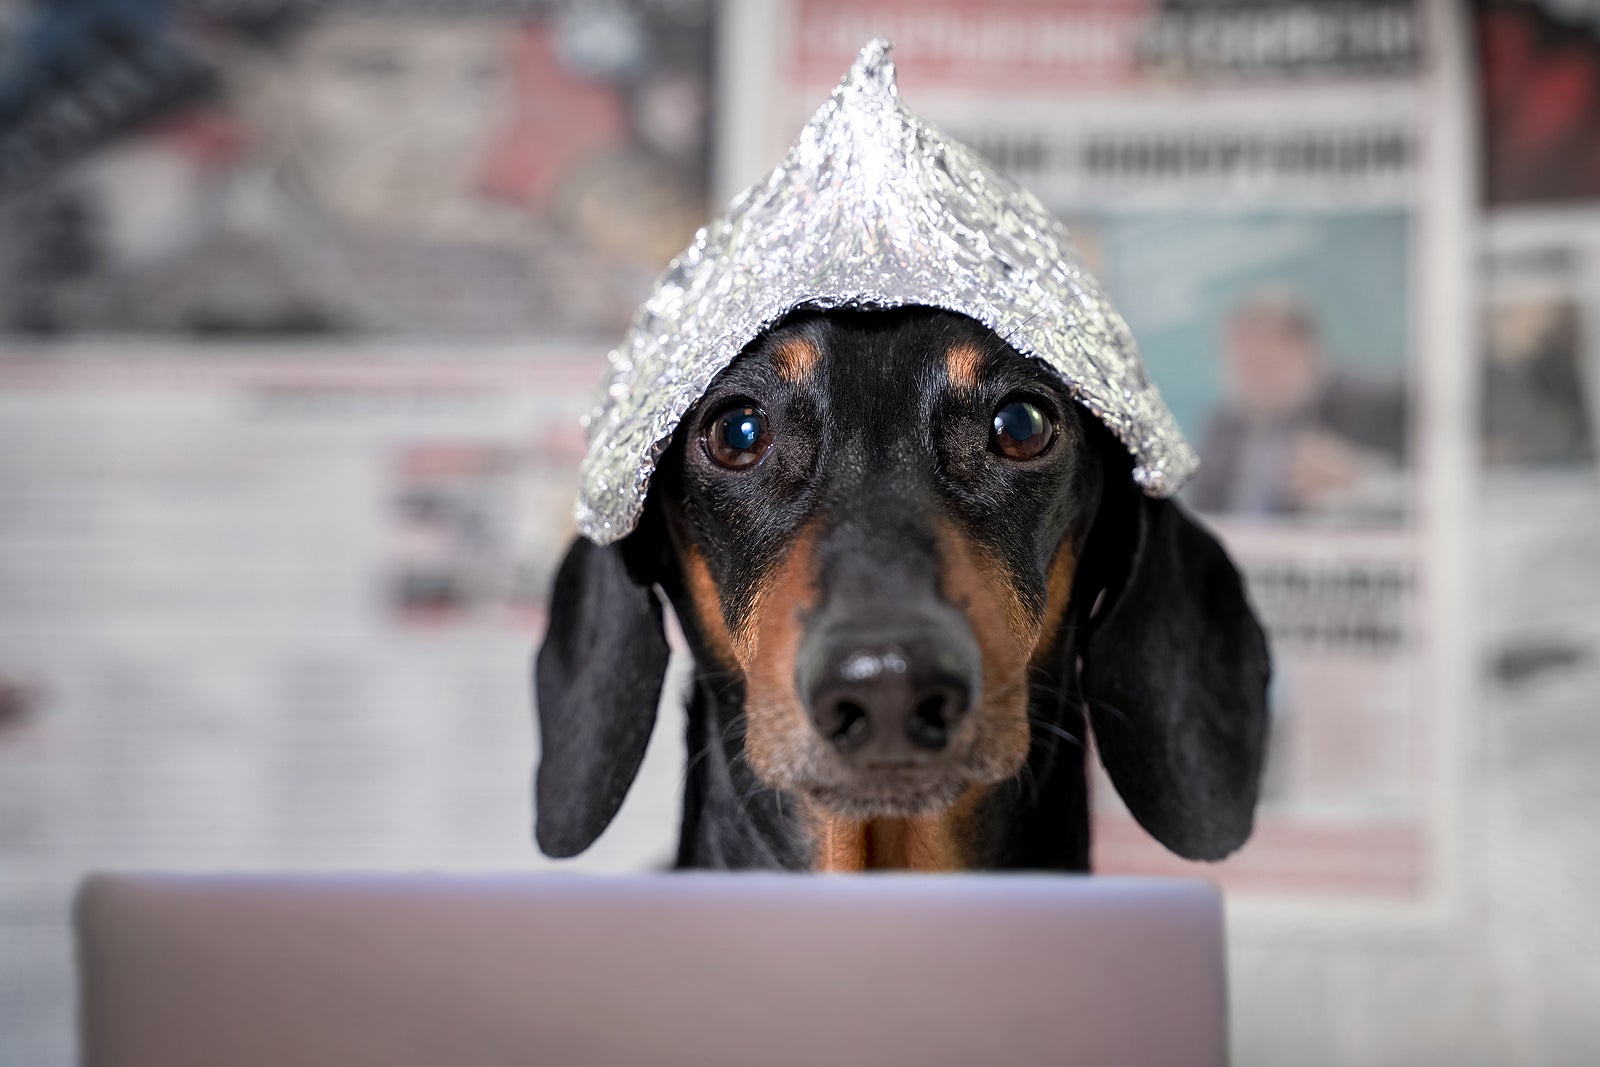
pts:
pixel 662 969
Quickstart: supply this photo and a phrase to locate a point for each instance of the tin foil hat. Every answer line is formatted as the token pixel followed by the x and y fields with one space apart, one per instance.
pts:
pixel 871 208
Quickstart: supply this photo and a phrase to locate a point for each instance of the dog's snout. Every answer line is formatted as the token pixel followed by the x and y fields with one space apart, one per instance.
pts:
pixel 882 697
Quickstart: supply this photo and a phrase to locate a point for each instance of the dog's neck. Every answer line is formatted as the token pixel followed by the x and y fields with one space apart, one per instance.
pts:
pixel 1037 821
pixel 939 842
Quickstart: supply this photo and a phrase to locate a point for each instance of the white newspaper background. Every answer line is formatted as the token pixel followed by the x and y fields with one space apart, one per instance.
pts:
pixel 269 587
pixel 1539 629
pixel 1245 180
pixel 274 607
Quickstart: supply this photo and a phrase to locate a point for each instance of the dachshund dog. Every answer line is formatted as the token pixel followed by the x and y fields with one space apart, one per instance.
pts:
pixel 913 572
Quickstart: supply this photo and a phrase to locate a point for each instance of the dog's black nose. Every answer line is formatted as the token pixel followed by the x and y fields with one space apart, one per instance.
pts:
pixel 880 696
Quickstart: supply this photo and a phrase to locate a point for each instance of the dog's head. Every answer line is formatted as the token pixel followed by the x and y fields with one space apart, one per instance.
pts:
pixel 890 530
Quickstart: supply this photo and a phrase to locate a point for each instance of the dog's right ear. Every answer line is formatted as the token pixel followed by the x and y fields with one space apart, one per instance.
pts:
pixel 598 681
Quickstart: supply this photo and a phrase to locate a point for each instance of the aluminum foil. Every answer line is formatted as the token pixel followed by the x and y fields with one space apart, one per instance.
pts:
pixel 871 208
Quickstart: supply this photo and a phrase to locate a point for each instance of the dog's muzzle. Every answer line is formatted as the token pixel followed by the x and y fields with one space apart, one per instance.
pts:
pixel 892 693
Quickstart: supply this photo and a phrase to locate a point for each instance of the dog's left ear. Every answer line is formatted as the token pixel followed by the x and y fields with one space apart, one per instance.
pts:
pixel 598 681
pixel 1175 670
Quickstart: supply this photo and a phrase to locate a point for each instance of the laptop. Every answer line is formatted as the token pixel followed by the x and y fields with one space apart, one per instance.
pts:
pixel 666 969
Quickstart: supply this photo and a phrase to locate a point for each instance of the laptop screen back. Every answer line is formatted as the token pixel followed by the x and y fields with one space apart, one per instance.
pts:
pixel 656 969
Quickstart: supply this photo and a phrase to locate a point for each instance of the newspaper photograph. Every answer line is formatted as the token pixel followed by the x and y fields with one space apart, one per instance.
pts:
pixel 1541 255
pixel 256 168
pixel 1541 296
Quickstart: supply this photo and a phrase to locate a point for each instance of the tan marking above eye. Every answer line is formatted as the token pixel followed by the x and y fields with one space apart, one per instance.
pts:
pixel 963 363
pixel 795 359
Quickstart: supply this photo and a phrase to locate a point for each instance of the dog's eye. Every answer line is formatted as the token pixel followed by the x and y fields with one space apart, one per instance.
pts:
pixel 738 436
pixel 1022 430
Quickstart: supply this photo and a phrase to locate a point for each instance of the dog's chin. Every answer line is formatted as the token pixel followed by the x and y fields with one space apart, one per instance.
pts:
pixel 886 797
pixel 916 787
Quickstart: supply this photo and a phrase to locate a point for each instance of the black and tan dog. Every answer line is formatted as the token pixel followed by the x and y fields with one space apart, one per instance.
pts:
pixel 912 571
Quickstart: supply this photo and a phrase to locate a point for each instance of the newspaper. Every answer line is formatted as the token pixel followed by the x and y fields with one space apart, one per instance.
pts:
pixel 300 585
pixel 1541 257
pixel 273 607
pixel 1246 180
pixel 1539 406
pixel 288 168
pixel 299 305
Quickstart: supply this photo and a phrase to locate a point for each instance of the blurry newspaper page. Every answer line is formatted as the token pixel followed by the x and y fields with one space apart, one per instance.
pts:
pixel 228 167
pixel 1540 494
pixel 1541 258
pixel 273 607
pixel 300 585
pixel 1538 413
pixel 1245 181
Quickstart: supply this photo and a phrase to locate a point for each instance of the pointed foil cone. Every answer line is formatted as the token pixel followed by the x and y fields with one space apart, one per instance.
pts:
pixel 872 208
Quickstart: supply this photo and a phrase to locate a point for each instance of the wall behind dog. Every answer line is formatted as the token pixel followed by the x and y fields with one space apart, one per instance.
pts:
pixel 300 307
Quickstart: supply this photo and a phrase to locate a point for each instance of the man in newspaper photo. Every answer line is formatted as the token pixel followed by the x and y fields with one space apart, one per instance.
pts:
pixel 1296 435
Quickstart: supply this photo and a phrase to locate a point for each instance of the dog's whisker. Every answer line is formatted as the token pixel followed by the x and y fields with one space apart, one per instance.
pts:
pixel 724 735
pixel 1110 709
pixel 734 727
pixel 745 798
pixel 693 761
pixel 1050 727
pixel 728 685
pixel 740 764
pixel 1027 778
